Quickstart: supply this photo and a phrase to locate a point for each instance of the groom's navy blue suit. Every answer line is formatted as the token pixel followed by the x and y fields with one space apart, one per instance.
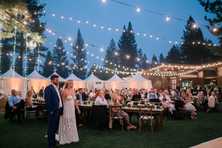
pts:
pixel 52 103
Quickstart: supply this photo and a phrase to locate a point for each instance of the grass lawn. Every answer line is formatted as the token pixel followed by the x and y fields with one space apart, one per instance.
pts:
pixel 175 134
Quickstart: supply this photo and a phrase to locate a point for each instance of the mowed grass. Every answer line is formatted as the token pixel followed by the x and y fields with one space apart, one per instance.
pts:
pixel 174 134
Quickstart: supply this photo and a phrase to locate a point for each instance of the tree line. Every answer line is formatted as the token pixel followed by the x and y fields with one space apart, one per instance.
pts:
pixel 123 55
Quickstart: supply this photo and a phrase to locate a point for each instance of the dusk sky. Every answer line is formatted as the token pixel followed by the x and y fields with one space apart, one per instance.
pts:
pixel 115 16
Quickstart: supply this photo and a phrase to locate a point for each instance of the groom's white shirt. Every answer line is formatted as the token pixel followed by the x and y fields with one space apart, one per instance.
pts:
pixel 57 90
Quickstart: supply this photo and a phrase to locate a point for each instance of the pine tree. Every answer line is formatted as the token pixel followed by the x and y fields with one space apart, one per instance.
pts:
pixel 35 57
pixel 161 58
pixel 48 67
pixel 215 20
pixel 128 48
pixel 174 55
pixel 154 60
pixel 194 53
pixel 20 50
pixel 80 58
pixel 142 61
pixel 6 59
pixel 60 59
pixel 111 56
pixel 37 11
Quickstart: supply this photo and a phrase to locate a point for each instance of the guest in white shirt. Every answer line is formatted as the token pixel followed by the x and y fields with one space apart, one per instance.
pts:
pixel 100 99
pixel 212 100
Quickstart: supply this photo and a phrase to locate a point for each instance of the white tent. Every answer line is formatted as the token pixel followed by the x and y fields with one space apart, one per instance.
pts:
pixel 61 79
pixel 37 81
pixel 12 80
pixel 139 82
pixel 77 82
pixel 115 82
pixel 93 82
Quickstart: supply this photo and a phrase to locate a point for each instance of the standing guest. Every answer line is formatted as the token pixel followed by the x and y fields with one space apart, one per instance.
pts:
pixel 67 125
pixel 55 109
pixel 212 100
pixel 28 99
pixel 16 105
pixel 41 92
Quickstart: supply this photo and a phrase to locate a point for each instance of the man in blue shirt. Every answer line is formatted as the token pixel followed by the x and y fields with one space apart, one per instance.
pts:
pixel 16 105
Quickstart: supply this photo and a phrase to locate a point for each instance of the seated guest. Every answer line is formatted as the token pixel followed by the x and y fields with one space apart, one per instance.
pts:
pixel 16 104
pixel 166 101
pixel 136 96
pixel 117 99
pixel 152 96
pixel 84 95
pixel 100 99
pixel 200 100
pixel 186 97
pixel 212 100
pixel 107 95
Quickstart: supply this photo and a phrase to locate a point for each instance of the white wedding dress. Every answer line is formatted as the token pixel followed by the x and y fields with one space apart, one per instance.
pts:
pixel 67 125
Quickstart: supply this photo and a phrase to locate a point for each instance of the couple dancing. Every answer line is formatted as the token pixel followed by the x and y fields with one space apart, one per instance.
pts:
pixel 61 113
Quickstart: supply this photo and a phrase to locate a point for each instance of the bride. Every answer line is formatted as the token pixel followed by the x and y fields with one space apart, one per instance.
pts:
pixel 67 132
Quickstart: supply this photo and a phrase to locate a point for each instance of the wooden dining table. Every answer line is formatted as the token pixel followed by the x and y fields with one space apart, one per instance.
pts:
pixel 156 111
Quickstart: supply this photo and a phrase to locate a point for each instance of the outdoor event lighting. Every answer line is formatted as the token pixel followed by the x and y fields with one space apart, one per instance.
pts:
pixel 167 18
pixel 104 1
pixel 215 29
pixel 194 26
pixel 138 10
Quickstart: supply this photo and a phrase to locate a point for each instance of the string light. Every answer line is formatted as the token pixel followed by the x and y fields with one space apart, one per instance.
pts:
pixel 144 35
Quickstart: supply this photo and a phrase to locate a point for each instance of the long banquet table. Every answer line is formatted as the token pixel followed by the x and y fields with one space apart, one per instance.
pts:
pixel 157 112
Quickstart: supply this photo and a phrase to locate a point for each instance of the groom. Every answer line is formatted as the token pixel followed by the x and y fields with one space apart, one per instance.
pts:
pixel 55 108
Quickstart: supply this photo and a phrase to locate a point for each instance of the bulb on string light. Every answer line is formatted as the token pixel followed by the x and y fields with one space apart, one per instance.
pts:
pixel 138 10
pixel 69 38
pixel 104 1
pixel 194 26
pixel 127 57
pixel 215 30
pixel 101 49
pixel 167 18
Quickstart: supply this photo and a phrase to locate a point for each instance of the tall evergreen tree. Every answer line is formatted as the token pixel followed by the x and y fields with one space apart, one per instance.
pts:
pixel 214 8
pixel 60 59
pixel 35 9
pixel 174 55
pixel 48 67
pixel 154 60
pixel 35 57
pixel 194 53
pixel 161 58
pixel 142 61
pixel 20 50
pixel 128 48
pixel 79 57
pixel 111 56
